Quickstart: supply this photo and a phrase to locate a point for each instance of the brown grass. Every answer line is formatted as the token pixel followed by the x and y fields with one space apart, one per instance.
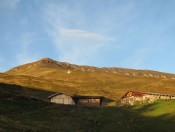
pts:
pixel 52 76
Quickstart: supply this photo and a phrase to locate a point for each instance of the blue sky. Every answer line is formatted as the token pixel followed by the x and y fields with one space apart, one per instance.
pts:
pixel 137 34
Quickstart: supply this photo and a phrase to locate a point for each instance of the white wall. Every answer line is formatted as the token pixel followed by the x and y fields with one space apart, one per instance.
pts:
pixel 62 99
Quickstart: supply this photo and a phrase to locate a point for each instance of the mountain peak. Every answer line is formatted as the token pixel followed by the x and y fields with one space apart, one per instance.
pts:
pixel 46 65
pixel 51 61
pixel 46 60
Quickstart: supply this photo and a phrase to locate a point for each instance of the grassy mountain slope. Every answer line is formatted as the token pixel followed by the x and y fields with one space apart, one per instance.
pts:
pixel 48 66
pixel 112 83
pixel 24 109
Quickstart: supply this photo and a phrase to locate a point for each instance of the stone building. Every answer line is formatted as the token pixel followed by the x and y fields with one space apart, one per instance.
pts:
pixel 135 97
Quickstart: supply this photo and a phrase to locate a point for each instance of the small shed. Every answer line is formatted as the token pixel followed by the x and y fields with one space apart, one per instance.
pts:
pixel 79 100
pixel 61 98
pixel 88 100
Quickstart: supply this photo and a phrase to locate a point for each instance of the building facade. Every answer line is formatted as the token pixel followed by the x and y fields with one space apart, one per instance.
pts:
pixel 133 98
pixel 61 98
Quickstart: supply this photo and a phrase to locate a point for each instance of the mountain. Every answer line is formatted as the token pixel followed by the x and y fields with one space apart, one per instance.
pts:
pixel 51 75
pixel 46 66
pixel 26 108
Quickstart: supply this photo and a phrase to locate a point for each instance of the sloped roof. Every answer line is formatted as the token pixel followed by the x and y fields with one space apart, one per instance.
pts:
pixel 78 96
pixel 53 95
pixel 139 93
pixel 88 97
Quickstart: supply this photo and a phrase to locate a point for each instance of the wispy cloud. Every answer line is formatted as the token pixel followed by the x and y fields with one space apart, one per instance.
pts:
pixel 79 46
pixel 24 56
pixel 83 34
pixel 75 45
pixel 2 64
pixel 137 59
pixel 24 22
pixel 9 4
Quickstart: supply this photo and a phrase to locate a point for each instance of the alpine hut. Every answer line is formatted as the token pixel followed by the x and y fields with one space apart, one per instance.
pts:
pixel 61 98
pixel 136 97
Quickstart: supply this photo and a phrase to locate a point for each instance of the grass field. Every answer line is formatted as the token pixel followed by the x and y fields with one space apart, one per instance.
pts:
pixel 24 109
pixel 103 84
pixel 47 74
pixel 24 105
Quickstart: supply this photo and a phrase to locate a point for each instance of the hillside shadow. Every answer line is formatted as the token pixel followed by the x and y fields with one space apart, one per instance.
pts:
pixel 24 91
pixel 23 113
pixel 108 102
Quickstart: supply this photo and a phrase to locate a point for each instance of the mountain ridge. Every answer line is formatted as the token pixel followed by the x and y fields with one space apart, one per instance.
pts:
pixel 50 63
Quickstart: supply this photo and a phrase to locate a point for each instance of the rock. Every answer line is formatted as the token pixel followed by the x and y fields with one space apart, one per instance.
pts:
pixel 156 76
pixel 134 74
pixel 173 78
pixel 145 75
pixel 127 74
pixel 150 75
pixel 163 76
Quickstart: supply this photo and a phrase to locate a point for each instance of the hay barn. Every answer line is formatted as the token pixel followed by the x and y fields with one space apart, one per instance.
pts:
pixel 135 97
pixel 61 98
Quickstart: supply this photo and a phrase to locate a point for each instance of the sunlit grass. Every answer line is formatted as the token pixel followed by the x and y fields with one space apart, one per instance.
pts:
pixel 158 108
pixel 104 84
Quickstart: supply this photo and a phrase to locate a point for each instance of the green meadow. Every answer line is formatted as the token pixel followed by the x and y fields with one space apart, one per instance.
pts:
pixel 24 109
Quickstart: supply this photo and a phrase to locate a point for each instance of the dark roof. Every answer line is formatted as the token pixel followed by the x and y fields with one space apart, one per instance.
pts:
pixel 58 94
pixel 78 96
pixel 88 97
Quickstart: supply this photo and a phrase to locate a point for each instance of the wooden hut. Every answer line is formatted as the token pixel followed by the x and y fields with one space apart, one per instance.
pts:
pixel 61 98
pixel 88 100
pixel 136 97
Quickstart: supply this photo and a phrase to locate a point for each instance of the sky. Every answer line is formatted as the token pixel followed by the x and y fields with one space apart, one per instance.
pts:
pixel 137 34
